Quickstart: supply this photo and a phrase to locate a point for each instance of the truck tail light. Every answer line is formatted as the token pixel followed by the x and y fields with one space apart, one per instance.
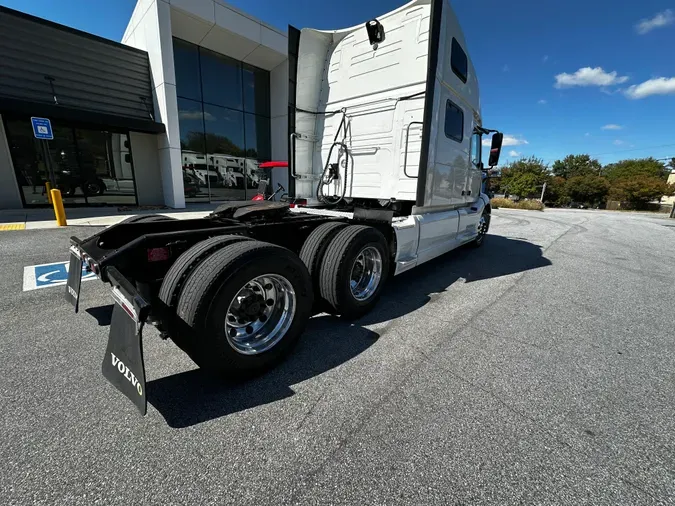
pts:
pixel 298 203
pixel 158 254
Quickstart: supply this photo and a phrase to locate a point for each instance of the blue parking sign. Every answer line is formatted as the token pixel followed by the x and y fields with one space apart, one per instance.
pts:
pixel 42 128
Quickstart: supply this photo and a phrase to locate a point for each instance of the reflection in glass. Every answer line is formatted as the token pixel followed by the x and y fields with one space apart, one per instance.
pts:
pixel 88 166
pixel 221 80
pixel 193 156
pixel 186 63
pixel 225 148
pixel 63 162
pixel 221 147
pixel 256 90
pixel 258 143
pixel 28 157
pixel 105 173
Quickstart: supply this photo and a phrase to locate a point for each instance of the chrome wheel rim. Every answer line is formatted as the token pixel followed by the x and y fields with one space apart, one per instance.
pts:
pixel 260 314
pixel 483 225
pixel 366 273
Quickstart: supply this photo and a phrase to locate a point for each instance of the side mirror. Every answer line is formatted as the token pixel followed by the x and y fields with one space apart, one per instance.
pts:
pixel 127 158
pixel 495 149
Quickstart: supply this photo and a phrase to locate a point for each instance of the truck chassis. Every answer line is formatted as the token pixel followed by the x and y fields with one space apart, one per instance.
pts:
pixel 233 290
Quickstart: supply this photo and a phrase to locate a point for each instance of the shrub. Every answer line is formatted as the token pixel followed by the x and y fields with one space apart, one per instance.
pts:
pixel 532 205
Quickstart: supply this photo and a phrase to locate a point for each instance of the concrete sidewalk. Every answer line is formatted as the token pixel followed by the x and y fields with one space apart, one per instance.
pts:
pixel 31 219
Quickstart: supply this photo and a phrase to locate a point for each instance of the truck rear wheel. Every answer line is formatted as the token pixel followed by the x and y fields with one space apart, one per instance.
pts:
pixel 314 249
pixel 187 262
pixel 244 307
pixel 146 217
pixel 354 270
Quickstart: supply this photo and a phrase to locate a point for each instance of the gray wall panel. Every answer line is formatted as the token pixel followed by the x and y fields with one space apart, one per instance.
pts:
pixel 89 73
pixel 146 169
pixel 9 190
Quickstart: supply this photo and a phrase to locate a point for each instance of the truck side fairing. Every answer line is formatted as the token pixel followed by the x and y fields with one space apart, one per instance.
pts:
pixel 394 110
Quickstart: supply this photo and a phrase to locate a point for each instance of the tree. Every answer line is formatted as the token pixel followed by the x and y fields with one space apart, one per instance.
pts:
pixel 640 190
pixel 624 169
pixel 556 191
pixel 671 164
pixel 587 189
pixel 575 166
pixel 524 177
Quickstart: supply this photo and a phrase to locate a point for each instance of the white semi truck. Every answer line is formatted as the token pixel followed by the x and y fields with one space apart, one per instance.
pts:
pixel 385 169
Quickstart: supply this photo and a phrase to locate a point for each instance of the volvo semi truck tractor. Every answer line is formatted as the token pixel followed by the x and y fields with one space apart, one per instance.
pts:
pixel 385 165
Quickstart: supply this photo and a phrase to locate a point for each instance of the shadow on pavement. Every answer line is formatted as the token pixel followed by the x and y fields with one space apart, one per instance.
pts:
pixel 193 397
pixel 499 256
pixel 103 314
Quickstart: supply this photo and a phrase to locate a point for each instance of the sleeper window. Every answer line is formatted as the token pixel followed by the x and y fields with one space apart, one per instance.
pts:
pixel 454 122
pixel 458 60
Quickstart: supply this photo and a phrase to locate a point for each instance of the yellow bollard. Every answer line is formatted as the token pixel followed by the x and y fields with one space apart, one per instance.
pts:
pixel 48 187
pixel 59 211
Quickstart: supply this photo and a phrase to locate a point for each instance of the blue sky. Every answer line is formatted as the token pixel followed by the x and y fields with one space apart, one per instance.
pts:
pixel 530 58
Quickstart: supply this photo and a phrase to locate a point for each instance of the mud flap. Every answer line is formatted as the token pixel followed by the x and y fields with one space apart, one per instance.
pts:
pixel 123 361
pixel 74 281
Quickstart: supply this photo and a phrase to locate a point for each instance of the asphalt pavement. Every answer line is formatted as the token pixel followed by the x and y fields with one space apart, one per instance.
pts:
pixel 537 369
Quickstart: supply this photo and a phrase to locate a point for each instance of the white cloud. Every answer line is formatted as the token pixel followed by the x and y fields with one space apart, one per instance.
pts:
pixel 509 140
pixel 514 153
pixel 662 19
pixel 656 86
pixel 505 68
pixel 545 58
pixel 588 76
pixel 195 115
pixel 612 126
pixel 587 134
pixel 618 142
pixel 542 101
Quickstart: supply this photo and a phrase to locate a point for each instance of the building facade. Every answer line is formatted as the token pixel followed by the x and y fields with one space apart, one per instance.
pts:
pixel 183 110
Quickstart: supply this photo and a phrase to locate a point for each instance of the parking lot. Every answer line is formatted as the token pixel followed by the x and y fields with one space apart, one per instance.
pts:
pixel 535 370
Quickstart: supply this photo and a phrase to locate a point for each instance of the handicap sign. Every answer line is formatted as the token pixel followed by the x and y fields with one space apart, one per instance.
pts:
pixel 45 275
pixel 42 128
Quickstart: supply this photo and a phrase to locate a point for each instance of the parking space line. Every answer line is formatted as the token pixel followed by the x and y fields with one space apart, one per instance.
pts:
pixel 12 226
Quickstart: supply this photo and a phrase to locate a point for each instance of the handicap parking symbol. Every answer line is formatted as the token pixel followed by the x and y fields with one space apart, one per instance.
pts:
pixel 45 275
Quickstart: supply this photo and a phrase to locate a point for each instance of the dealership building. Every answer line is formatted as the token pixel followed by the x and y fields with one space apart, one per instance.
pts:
pixel 183 110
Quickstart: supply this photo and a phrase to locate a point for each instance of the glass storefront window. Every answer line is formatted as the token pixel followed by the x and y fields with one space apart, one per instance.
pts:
pixel 193 155
pixel 225 151
pixel 258 144
pixel 88 166
pixel 186 64
pixel 221 80
pixel 225 130
pixel 256 90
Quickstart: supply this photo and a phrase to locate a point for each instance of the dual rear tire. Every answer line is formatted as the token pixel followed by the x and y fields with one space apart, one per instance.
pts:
pixel 237 306
pixel 349 265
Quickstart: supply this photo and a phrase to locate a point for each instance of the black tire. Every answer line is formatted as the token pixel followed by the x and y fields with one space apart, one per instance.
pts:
pixel 95 187
pixel 482 229
pixel 337 265
pixel 205 298
pixel 146 217
pixel 187 262
pixel 314 249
